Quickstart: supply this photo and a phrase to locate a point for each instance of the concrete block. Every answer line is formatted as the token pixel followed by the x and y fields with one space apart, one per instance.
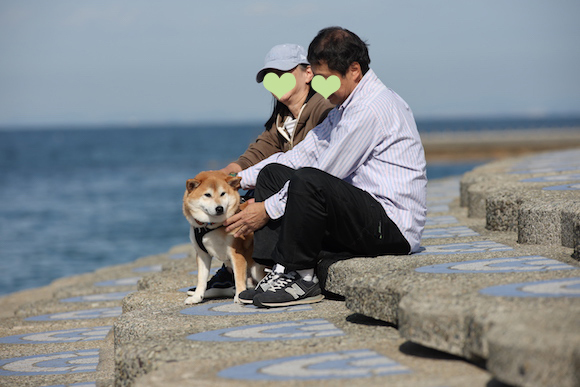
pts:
pixel 540 222
pixel 501 211
pixel 477 196
pixel 571 224
pixel 536 352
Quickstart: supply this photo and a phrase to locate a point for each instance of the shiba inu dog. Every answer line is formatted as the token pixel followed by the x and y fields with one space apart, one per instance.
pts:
pixel 210 198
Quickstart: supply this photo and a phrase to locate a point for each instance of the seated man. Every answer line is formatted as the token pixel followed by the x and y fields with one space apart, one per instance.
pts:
pixel 355 184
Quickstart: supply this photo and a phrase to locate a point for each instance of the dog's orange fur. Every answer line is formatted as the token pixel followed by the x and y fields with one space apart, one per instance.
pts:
pixel 204 195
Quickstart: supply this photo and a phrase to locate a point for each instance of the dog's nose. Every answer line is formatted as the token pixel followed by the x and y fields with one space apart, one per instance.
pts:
pixel 219 210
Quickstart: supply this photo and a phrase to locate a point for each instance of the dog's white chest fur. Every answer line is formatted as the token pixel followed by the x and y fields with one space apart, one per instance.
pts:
pixel 215 242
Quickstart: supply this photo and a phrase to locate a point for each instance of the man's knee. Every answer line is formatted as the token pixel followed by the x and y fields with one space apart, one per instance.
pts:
pixel 308 180
pixel 268 172
pixel 309 173
pixel 271 179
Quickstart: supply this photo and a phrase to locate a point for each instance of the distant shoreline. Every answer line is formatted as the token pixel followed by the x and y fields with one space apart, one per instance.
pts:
pixel 494 144
pixel 450 140
pixel 569 121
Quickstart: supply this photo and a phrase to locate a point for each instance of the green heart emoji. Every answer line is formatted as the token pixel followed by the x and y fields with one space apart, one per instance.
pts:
pixel 325 87
pixel 279 86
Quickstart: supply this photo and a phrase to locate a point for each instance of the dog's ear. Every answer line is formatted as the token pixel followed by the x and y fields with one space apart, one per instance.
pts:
pixel 192 184
pixel 234 182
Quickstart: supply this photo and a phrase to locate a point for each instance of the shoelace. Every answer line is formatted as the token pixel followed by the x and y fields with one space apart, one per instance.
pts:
pixel 281 282
pixel 271 276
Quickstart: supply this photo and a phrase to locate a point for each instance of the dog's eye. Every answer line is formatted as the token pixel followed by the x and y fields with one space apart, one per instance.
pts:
pixel 223 193
pixel 208 195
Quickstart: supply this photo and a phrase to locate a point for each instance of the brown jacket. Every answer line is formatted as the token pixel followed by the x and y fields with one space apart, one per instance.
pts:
pixel 272 141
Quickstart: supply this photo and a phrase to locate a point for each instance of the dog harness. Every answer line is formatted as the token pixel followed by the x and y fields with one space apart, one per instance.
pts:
pixel 200 233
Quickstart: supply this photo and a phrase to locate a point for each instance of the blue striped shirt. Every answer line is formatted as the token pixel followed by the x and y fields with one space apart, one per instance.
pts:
pixel 370 141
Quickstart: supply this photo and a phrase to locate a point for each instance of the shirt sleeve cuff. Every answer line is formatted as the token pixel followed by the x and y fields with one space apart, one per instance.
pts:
pixel 274 208
pixel 245 183
pixel 276 204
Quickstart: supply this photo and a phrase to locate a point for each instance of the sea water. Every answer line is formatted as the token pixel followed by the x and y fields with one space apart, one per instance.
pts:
pixel 74 200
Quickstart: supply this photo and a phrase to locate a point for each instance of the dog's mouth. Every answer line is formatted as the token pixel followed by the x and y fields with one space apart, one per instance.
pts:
pixel 202 215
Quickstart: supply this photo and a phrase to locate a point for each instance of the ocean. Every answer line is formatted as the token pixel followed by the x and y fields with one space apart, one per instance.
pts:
pixel 75 200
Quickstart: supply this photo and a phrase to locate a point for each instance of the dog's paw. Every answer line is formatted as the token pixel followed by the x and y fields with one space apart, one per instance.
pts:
pixel 237 299
pixel 195 299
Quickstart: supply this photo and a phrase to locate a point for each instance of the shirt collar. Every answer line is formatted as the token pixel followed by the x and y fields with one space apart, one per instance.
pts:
pixel 366 79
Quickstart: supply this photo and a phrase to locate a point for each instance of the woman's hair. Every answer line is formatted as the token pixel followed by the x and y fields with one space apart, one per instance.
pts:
pixel 280 108
pixel 339 48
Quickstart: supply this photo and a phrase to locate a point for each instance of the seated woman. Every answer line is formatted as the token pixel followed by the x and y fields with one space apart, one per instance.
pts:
pixel 293 116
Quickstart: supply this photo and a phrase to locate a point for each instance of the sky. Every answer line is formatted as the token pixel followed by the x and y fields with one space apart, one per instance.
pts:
pixel 86 63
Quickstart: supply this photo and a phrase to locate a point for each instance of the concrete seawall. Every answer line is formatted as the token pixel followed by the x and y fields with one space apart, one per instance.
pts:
pixel 492 300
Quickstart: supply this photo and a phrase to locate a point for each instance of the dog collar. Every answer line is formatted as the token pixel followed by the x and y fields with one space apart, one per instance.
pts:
pixel 203 224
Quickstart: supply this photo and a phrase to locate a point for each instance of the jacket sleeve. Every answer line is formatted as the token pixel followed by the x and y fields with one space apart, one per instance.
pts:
pixel 265 145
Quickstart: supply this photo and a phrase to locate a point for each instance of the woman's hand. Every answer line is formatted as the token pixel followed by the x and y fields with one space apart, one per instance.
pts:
pixel 252 218
pixel 231 168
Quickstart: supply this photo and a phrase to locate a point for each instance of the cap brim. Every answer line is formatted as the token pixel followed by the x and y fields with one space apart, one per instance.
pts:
pixel 275 65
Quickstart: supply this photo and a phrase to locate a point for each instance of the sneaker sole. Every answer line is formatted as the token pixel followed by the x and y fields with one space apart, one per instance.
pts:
pixel 308 300
pixel 247 300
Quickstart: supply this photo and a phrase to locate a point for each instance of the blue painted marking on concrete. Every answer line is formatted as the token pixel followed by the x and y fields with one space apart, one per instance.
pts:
pixel 130 281
pixel 284 330
pixel 563 287
pixel 212 271
pixel 554 162
pixel 148 269
pixel 79 314
pixel 543 170
pixel 321 366
pixel 231 308
pixel 178 256
pixel 51 364
pixel 552 178
pixel 565 187
pixel 461 248
pixel 498 265
pixel 441 194
pixel 441 220
pixel 115 296
pixel 63 336
pixel 87 384
pixel 439 200
pixel 556 168
pixel 450 186
pixel 185 290
pixel 550 160
pixel 448 232
pixel 437 208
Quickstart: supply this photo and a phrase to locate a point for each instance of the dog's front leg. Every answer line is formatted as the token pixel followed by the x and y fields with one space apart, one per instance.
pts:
pixel 203 265
pixel 240 266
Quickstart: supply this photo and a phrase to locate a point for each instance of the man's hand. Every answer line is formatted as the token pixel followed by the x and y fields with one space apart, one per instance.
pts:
pixel 252 218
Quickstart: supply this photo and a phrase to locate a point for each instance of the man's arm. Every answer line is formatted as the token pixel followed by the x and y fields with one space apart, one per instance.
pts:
pixel 338 150
pixel 351 143
pixel 303 154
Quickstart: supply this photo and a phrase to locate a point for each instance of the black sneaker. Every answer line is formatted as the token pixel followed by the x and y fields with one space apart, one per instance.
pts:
pixel 289 289
pixel 220 285
pixel 247 296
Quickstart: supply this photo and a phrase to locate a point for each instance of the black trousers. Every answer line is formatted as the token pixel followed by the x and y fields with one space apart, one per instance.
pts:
pixel 323 214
